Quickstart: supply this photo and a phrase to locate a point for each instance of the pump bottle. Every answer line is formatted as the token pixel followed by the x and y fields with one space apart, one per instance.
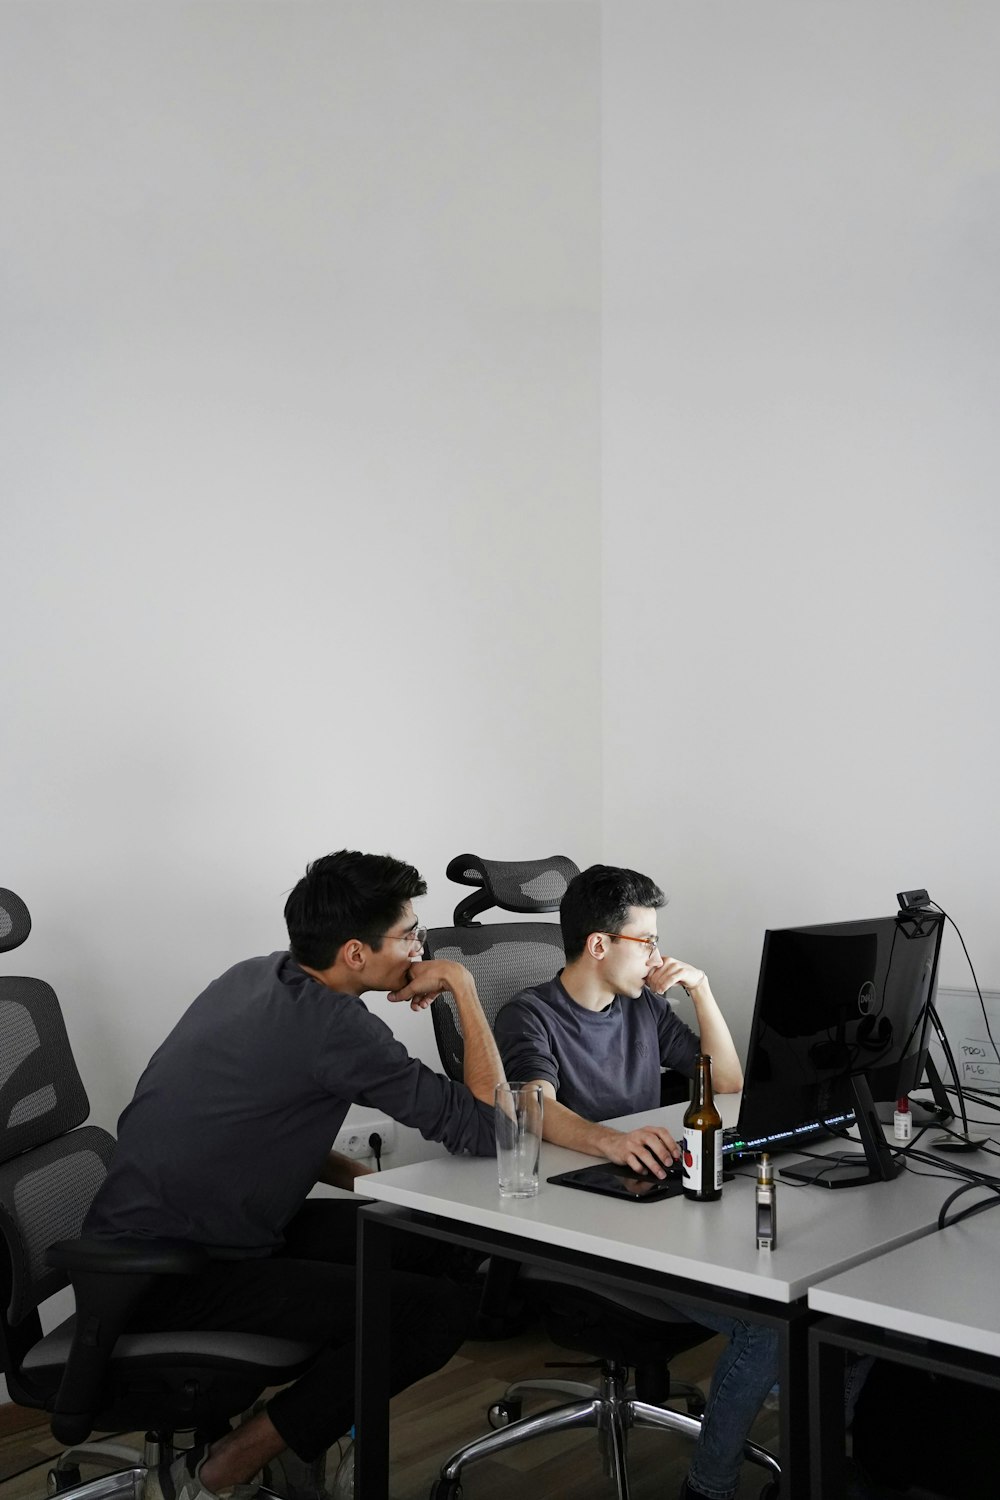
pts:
pixel 902 1120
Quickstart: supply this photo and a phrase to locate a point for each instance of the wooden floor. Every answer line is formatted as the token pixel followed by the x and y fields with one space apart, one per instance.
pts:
pixel 437 1415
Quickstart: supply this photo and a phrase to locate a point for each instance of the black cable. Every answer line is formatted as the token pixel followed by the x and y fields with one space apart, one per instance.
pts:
pixel 940 1172
pixel 987 1100
pixel 977 1208
pixel 375 1142
pixel 984 1103
pixel 945 1045
pixel 955 1170
pixel 972 971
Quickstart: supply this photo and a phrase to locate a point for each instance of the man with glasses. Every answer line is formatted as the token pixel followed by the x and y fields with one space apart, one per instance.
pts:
pixel 597 1035
pixel 595 1038
pixel 230 1128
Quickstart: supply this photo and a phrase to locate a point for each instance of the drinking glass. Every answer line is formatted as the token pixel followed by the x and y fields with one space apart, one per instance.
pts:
pixel 519 1137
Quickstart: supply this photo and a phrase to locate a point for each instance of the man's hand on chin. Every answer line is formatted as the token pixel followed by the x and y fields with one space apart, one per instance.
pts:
pixel 426 981
pixel 674 971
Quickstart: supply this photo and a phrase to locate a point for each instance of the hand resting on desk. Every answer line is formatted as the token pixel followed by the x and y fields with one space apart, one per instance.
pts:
pixel 647 1148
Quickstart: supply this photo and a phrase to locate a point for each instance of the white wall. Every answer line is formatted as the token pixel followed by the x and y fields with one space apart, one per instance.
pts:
pixel 801 358
pixel 299 405
pixel 301 421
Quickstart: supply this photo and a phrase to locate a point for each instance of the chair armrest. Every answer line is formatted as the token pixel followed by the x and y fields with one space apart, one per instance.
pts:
pixel 109 1278
pixel 117 1257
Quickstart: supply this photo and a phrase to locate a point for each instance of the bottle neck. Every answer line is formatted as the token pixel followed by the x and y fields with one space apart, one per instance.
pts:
pixel 702 1081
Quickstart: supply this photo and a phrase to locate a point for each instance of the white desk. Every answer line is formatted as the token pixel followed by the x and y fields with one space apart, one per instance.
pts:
pixel 933 1304
pixel 820 1231
pixel 944 1288
pixel 701 1254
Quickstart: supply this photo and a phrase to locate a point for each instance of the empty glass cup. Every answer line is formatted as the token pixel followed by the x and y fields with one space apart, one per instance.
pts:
pixel 519 1138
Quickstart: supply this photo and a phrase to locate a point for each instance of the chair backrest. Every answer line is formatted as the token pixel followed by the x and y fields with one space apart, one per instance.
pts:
pixel 502 957
pixel 526 886
pixel 15 923
pixel 50 1168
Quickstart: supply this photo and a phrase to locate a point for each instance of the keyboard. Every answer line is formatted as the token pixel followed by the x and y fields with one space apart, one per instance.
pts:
pixel 736 1145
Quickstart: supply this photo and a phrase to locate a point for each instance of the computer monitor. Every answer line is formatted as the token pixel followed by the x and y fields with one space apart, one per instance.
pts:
pixel 840 1022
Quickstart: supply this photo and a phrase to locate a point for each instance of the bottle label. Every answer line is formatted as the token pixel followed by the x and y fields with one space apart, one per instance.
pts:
pixel 702 1175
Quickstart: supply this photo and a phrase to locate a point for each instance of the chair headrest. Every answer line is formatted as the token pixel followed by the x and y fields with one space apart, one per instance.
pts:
pixel 15 921
pixel 528 885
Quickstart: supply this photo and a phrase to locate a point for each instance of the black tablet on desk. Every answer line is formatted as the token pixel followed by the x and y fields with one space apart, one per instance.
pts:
pixel 621 1182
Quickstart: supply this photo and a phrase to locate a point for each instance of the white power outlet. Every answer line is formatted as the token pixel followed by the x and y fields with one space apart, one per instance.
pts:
pixel 353 1139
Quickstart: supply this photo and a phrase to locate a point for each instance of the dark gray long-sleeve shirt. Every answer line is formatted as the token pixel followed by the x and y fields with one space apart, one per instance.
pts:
pixel 232 1120
pixel 601 1063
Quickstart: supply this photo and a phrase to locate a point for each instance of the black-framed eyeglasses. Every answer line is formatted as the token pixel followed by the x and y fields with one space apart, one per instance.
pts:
pixel 651 945
pixel 413 936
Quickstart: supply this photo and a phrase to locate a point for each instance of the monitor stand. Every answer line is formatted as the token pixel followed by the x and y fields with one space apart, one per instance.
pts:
pixel 879 1165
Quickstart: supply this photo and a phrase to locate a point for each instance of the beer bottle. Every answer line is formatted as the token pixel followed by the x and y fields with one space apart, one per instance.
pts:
pixel 702 1138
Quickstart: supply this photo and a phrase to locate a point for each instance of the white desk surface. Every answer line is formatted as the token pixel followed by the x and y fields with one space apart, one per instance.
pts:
pixel 942 1287
pixel 821 1231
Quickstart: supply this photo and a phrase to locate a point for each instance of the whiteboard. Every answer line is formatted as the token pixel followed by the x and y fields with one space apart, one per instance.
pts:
pixel 962 1019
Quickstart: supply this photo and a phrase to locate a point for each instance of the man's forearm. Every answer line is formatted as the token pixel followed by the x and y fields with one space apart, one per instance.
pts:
pixel 564 1127
pixel 340 1171
pixel 482 1068
pixel 716 1040
pixel 647 1148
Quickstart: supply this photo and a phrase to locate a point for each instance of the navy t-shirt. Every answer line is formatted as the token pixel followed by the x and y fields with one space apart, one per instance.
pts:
pixel 601 1063
pixel 232 1121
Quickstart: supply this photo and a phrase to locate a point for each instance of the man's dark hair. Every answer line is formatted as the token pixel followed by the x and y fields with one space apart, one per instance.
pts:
pixel 347 895
pixel 598 900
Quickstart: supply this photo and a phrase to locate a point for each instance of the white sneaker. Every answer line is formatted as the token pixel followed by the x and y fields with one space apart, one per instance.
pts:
pixel 181 1480
pixel 291 1477
pixel 343 1480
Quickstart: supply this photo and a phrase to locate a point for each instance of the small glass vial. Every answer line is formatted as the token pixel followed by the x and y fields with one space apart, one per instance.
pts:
pixel 902 1120
pixel 767 1208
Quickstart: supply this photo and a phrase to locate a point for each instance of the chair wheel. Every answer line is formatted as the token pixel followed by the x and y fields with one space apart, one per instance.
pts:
pixel 771 1491
pixel 446 1489
pixel 502 1413
pixel 58 1480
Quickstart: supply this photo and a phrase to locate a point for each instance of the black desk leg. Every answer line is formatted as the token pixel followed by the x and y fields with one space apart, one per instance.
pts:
pixel 794 1440
pixel 371 1392
pixel 826 1415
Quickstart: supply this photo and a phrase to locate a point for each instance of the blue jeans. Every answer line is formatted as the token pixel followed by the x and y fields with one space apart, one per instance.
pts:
pixel 744 1373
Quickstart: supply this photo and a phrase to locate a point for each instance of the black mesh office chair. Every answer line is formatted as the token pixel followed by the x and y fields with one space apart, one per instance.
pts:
pixel 87 1373
pixel 623 1332
pixel 506 957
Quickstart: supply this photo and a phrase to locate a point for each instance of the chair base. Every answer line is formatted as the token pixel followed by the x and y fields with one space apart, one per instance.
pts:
pixel 610 1408
pixel 128 1467
pixel 680 1390
pixel 123 1484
